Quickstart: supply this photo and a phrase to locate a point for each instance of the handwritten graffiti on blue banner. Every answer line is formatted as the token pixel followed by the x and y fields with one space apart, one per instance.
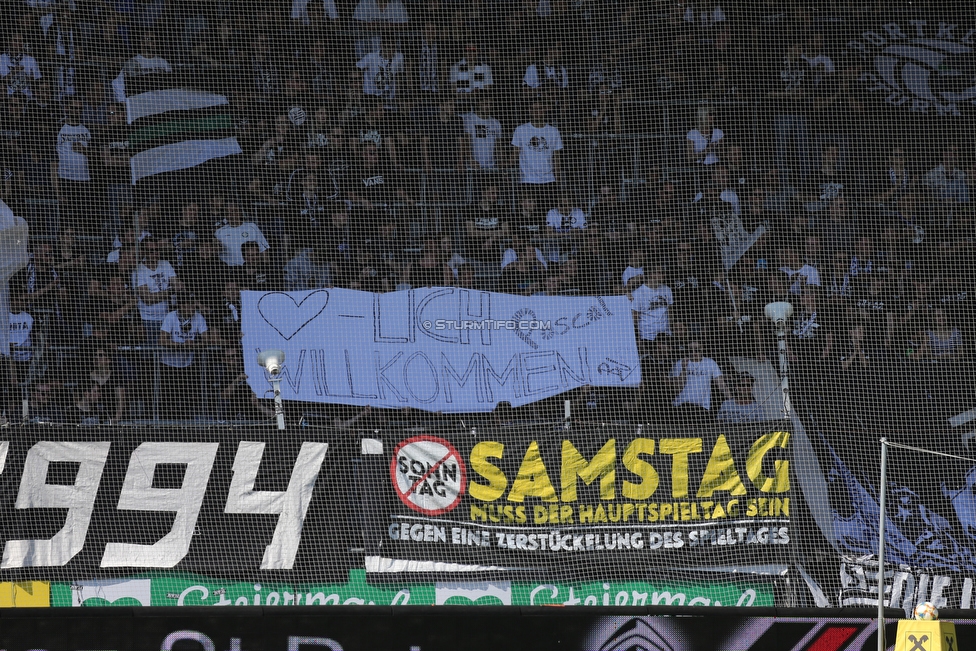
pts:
pixel 439 349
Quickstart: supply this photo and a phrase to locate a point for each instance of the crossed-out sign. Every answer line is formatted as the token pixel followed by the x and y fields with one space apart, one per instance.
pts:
pixel 428 474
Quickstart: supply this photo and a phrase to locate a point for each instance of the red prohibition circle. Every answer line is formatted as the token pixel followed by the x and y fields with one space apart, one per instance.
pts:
pixel 451 451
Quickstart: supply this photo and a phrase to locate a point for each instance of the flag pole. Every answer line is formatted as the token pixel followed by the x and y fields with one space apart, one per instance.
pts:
pixel 881 546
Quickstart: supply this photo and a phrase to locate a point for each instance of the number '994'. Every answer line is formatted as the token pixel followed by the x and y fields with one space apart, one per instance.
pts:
pixel 139 494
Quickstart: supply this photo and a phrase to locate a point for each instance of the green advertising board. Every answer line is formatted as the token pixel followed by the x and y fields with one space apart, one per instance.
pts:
pixel 191 590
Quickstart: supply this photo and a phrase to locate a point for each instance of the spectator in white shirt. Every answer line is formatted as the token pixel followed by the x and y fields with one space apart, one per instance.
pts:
pixel 182 331
pixel 484 130
pixel 704 141
pixel 380 70
pixel 537 143
pixel 235 233
pixel 650 301
pixel 73 181
pixel 21 326
pixel 799 276
pixel 154 281
pixel 17 68
pixel 564 224
pixel 693 377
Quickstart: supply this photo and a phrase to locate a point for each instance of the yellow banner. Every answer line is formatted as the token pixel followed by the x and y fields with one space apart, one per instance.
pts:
pixel 25 594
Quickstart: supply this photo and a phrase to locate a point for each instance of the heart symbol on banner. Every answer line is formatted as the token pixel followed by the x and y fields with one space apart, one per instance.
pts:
pixel 288 316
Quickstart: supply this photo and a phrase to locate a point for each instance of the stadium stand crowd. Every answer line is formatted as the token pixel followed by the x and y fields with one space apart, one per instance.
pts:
pixel 557 147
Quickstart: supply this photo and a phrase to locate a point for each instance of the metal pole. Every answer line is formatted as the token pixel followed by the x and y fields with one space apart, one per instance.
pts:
pixel 783 368
pixel 278 407
pixel 735 308
pixel 157 382
pixel 881 546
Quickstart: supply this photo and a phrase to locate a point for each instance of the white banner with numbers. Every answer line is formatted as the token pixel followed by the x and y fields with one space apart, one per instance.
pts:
pixel 440 349
pixel 86 503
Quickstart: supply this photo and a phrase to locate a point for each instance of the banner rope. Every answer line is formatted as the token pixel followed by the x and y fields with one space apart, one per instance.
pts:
pixel 917 449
